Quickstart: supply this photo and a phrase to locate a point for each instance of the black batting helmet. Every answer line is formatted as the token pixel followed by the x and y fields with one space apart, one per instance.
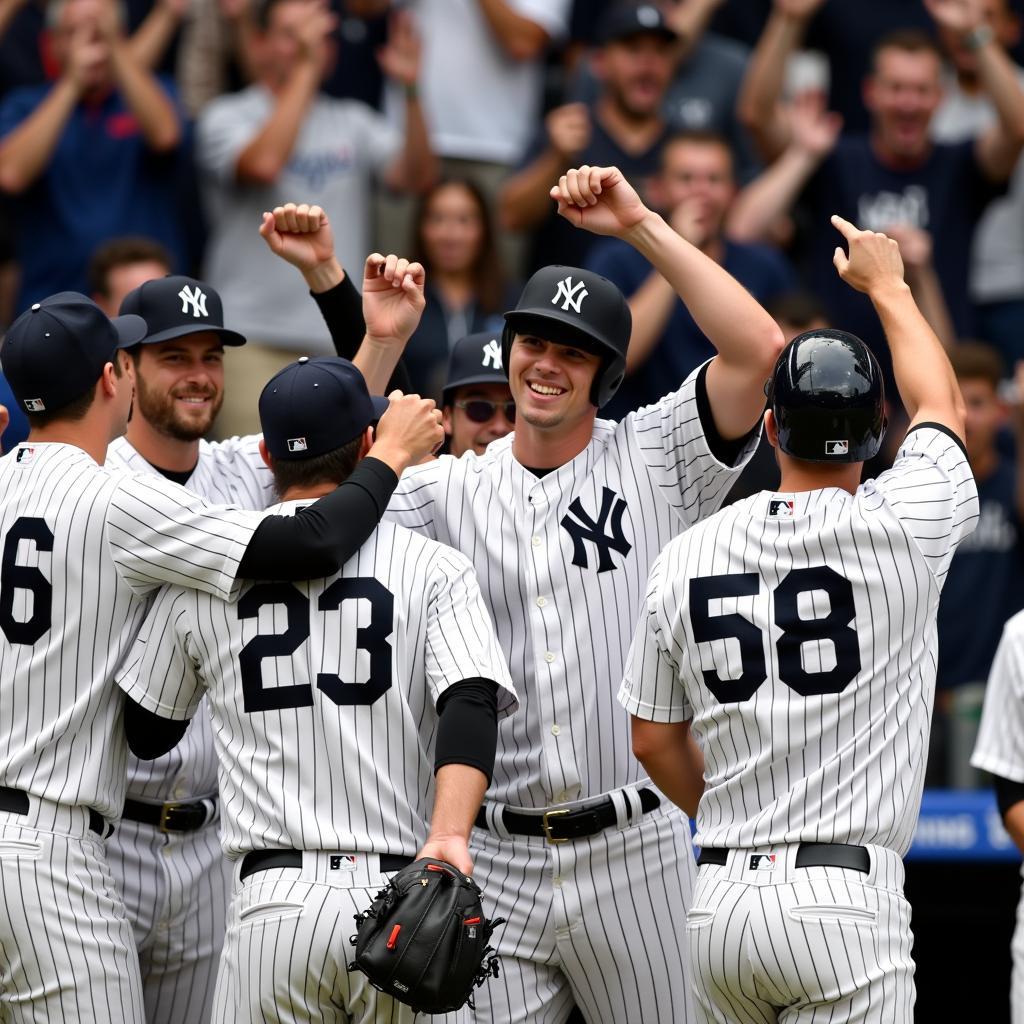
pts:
pixel 569 306
pixel 827 396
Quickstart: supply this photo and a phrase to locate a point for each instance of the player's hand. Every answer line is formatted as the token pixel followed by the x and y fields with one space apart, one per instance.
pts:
pixel 874 263
pixel 915 245
pixel 453 850
pixel 599 199
pixel 393 298
pixel 960 16
pixel 568 129
pixel 814 129
pixel 408 432
pixel 300 235
pixel 400 58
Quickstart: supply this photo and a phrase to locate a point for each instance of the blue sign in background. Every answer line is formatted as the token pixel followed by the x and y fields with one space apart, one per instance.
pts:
pixel 961 825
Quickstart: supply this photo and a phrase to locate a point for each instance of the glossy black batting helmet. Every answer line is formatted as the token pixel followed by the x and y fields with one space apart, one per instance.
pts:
pixel 569 306
pixel 828 398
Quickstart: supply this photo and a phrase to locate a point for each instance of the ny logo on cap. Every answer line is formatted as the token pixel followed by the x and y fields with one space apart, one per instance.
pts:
pixel 297 444
pixel 570 294
pixel 35 404
pixel 492 354
pixel 837 447
pixel 194 297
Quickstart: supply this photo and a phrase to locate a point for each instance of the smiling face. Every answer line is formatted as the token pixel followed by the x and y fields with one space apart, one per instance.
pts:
pixel 551 383
pixel 902 95
pixel 471 434
pixel 181 385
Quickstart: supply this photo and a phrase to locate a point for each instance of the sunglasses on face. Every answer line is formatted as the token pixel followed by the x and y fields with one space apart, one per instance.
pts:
pixel 480 410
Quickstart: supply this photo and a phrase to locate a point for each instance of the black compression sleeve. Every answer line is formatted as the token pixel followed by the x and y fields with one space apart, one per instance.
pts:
pixel 1008 793
pixel 342 310
pixel 467 731
pixel 726 451
pixel 150 736
pixel 318 540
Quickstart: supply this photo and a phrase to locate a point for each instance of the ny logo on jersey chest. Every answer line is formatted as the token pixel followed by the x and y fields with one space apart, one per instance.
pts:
pixel 604 531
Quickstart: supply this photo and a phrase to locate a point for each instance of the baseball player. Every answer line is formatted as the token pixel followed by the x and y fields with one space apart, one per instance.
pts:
pixel 82 548
pixel 476 401
pixel 332 704
pixel 1000 750
pixel 166 854
pixel 794 632
pixel 591 866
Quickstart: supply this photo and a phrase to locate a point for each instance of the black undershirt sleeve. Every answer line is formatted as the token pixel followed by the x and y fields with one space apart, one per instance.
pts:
pixel 319 539
pixel 342 310
pixel 467 731
pixel 1008 793
pixel 149 735
pixel 727 452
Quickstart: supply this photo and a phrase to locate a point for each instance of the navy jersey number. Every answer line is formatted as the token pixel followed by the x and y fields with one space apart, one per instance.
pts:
pixel 372 638
pixel 25 577
pixel 796 631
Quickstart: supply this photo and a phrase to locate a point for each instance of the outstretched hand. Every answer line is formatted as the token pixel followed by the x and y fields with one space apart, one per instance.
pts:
pixel 300 235
pixel 874 262
pixel 599 199
pixel 393 298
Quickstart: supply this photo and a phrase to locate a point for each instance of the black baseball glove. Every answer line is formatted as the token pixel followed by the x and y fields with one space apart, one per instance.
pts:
pixel 424 938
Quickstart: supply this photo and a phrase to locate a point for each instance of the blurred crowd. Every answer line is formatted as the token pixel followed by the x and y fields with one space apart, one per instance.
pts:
pixel 145 137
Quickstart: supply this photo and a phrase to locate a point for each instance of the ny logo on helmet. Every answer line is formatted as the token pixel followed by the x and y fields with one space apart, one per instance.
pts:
pixel 194 298
pixel 570 294
pixel 583 527
pixel 492 354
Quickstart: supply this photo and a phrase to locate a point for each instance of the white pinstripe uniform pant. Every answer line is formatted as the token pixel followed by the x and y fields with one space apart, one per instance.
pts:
pixel 1017 973
pixel 772 942
pixel 175 887
pixel 66 949
pixel 598 922
pixel 286 950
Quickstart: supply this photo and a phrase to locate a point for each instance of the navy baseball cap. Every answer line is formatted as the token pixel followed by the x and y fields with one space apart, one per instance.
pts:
pixel 316 405
pixel 56 350
pixel 474 359
pixel 176 306
pixel 623 21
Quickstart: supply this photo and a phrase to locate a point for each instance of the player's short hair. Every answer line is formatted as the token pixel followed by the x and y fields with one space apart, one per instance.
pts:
pixel 976 360
pixel 73 411
pixel 800 309
pixel 333 467
pixel 909 40
pixel 123 252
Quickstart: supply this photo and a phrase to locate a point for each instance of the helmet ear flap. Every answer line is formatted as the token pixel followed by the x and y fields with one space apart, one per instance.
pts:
pixel 508 335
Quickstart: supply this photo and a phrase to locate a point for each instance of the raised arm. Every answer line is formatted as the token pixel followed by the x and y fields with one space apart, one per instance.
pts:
pixel 922 369
pixel 520 38
pixel 150 40
pixel 748 341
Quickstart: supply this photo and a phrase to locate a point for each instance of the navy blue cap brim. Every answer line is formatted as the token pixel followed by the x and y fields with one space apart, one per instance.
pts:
pixel 493 377
pixel 380 405
pixel 131 329
pixel 183 331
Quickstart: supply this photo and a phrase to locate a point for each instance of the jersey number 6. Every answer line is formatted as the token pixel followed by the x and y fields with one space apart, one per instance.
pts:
pixel 372 638
pixel 14 577
pixel 833 628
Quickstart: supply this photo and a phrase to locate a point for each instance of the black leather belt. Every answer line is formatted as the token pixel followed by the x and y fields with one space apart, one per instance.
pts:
pixel 15 801
pixel 558 826
pixel 261 860
pixel 808 855
pixel 171 817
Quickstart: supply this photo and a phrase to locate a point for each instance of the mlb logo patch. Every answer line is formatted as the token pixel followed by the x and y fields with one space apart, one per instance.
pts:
pixel 782 508
pixel 762 862
pixel 35 405
pixel 25 455
pixel 297 444
pixel 343 862
pixel 837 447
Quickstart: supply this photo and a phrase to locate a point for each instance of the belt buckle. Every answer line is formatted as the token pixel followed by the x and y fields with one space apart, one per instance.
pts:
pixel 165 813
pixel 546 825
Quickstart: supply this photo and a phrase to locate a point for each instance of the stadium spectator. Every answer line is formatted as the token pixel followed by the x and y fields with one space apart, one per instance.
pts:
pixel 281 137
pixel 465 292
pixel 119 266
pixel 985 585
pixel 694 187
pixel 623 127
pixel 92 155
pixel 897 175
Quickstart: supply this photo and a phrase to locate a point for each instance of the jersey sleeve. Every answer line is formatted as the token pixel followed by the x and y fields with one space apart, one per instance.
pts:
pixel 414 504
pixel 931 490
pixel 1000 745
pixel 461 642
pixel 652 688
pixel 160 533
pixel 159 672
pixel 677 441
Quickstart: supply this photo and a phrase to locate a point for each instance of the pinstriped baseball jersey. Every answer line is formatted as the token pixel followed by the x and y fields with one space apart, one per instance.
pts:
pixel 1000 745
pixel 229 472
pixel 798 632
pixel 322 693
pixel 81 549
pixel 563 560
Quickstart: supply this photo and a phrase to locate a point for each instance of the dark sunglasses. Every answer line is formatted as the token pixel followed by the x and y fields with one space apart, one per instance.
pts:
pixel 479 410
